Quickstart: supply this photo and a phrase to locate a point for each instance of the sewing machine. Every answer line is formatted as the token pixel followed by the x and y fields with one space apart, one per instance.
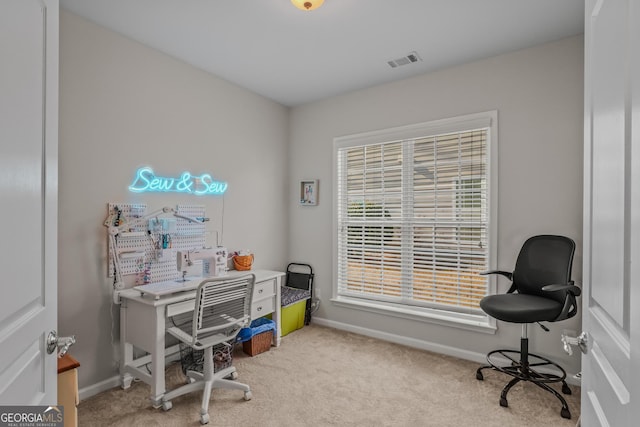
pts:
pixel 214 261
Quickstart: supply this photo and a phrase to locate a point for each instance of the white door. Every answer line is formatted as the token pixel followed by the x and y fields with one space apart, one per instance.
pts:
pixel 28 199
pixel 611 300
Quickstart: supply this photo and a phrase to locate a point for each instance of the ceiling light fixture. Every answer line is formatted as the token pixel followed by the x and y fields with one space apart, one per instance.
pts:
pixel 307 4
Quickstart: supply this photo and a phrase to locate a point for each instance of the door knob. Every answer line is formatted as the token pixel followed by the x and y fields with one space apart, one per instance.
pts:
pixel 54 342
pixel 582 341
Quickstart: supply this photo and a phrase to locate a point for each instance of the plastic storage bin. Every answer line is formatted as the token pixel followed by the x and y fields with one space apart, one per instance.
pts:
pixel 292 317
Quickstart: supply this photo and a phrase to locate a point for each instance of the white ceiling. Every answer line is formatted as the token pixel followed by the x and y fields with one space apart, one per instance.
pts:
pixel 295 57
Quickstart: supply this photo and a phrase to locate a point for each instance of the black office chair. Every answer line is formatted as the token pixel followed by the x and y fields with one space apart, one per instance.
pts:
pixel 541 291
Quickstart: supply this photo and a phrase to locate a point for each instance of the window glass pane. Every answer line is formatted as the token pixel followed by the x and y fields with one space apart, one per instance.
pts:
pixel 413 220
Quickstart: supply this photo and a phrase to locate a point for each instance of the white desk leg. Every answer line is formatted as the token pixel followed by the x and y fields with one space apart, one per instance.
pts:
pixel 276 314
pixel 157 358
pixel 126 349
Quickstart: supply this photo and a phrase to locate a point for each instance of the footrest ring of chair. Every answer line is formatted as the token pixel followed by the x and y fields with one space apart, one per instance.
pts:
pixel 497 359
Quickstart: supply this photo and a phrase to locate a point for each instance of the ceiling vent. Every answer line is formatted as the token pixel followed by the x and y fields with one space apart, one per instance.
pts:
pixel 405 60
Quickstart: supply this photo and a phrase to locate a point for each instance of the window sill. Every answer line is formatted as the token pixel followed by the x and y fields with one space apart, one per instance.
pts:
pixel 470 322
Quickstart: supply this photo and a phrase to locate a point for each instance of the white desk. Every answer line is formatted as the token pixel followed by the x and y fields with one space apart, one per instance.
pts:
pixel 143 318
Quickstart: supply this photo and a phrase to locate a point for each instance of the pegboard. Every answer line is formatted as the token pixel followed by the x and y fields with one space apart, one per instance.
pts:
pixel 147 251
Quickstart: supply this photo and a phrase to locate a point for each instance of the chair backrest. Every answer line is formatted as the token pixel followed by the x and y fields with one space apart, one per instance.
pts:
pixel 544 260
pixel 223 305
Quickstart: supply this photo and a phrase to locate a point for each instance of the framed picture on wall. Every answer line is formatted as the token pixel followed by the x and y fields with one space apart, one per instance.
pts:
pixel 309 192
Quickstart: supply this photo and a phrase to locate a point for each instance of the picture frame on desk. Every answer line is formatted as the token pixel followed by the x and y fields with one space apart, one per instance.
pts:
pixel 309 192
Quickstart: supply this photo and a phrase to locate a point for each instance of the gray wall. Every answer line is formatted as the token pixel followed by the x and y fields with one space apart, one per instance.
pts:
pixel 538 93
pixel 123 105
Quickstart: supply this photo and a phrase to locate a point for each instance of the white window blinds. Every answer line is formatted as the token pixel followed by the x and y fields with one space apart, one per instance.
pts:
pixel 412 218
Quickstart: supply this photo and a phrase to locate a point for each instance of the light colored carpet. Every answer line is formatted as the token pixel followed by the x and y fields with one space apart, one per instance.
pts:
pixel 326 377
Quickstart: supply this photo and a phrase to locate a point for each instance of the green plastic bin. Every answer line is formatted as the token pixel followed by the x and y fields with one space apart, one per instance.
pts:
pixel 292 317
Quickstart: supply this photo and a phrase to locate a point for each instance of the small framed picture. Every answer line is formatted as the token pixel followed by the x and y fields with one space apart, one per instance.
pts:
pixel 309 192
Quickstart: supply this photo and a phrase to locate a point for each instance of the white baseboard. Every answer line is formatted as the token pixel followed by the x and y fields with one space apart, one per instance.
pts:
pixel 109 383
pixel 409 342
pixel 92 390
pixel 420 344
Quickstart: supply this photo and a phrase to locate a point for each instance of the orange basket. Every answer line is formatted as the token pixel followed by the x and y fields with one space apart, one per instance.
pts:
pixel 243 262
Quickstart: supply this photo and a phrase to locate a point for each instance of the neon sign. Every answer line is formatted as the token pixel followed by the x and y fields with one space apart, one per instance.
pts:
pixel 146 181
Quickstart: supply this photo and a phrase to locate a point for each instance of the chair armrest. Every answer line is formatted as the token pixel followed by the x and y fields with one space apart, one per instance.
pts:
pixel 570 288
pixel 506 274
pixel 570 307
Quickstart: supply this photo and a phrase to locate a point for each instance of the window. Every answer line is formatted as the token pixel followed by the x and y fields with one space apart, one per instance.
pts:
pixel 414 217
